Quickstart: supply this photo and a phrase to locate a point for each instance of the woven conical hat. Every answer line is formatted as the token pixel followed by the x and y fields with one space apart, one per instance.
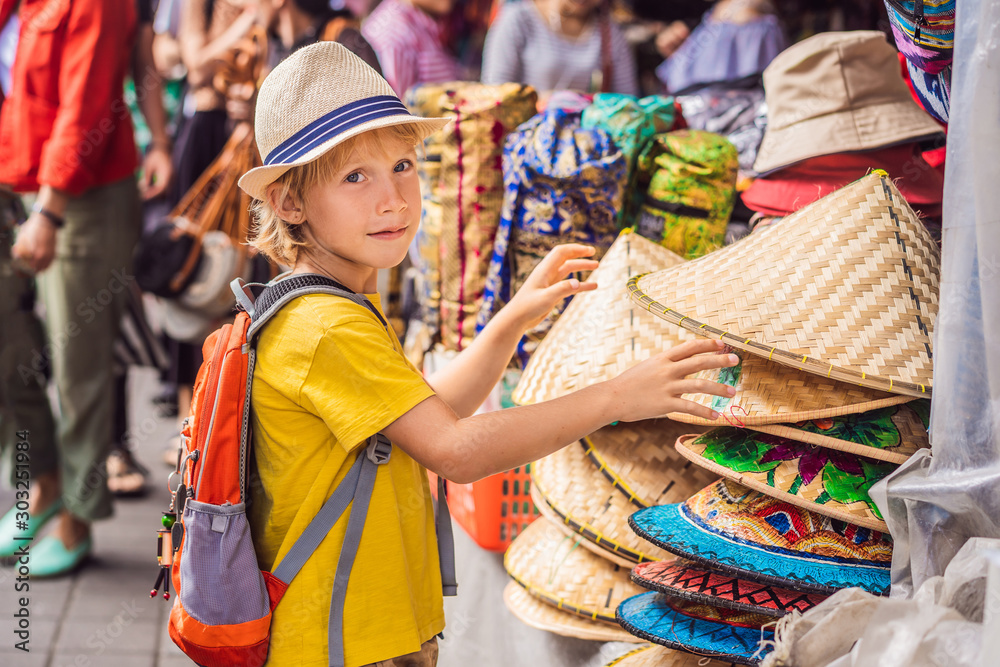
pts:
pixel 658 656
pixel 818 479
pixel 846 288
pixel 569 489
pixel 640 460
pixel 769 393
pixel 601 333
pixel 537 614
pixel 556 569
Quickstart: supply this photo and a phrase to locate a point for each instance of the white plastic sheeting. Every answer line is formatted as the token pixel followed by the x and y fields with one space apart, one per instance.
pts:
pixel 934 504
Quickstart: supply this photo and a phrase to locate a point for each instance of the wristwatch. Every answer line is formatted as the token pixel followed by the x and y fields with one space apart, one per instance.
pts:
pixel 57 220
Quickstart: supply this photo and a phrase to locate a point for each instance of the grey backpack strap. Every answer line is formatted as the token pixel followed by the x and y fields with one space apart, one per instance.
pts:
pixel 446 543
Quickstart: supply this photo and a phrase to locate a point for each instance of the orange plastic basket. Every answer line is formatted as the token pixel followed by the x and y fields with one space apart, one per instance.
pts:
pixel 494 510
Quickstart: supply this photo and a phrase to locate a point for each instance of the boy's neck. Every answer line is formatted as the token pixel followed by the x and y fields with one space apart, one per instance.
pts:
pixel 360 279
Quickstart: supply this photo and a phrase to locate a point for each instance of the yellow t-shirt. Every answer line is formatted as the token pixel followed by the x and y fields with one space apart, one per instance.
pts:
pixel 328 376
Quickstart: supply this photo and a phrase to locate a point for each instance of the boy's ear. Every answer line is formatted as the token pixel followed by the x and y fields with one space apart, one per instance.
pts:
pixel 288 208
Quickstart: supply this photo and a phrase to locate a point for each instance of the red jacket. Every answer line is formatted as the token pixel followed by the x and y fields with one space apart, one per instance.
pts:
pixel 64 123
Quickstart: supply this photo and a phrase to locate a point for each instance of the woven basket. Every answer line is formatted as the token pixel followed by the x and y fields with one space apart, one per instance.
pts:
pixel 846 288
pixel 574 490
pixel 658 656
pixel 769 393
pixel 554 568
pixel 637 459
pixel 817 479
pixel 533 612
pixel 601 333
pixel 891 434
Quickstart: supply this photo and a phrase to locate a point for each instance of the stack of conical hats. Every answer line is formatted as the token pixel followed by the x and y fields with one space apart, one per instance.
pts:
pixel 831 312
pixel 571 568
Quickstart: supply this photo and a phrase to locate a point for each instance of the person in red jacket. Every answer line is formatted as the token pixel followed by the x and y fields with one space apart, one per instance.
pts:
pixel 65 133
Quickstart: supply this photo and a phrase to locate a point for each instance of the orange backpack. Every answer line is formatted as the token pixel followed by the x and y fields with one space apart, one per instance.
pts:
pixel 222 614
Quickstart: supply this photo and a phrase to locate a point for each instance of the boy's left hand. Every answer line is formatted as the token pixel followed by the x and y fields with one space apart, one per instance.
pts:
pixel 547 285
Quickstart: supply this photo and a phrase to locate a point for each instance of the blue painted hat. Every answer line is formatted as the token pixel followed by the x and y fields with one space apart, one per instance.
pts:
pixel 728 527
pixel 712 632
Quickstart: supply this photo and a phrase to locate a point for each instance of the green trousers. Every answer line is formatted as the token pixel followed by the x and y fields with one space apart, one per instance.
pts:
pixel 24 407
pixel 85 292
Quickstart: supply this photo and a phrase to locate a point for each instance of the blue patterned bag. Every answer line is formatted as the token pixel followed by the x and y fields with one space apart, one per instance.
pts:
pixel 562 184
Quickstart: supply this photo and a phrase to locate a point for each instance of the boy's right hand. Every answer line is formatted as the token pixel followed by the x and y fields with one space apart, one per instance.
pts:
pixel 654 388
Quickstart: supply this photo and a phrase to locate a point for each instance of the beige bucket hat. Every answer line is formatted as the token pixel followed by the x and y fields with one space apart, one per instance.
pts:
pixel 845 289
pixel 837 92
pixel 601 333
pixel 317 98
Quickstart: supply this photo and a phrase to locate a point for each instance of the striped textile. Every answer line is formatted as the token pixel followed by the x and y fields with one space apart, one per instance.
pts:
pixel 408 44
pixel 520 47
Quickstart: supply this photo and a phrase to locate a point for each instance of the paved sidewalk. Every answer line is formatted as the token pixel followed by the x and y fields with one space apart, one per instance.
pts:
pixel 102 616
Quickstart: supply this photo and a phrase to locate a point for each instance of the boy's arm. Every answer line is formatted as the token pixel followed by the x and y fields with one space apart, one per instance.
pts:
pixel 465 450
pixel 467 381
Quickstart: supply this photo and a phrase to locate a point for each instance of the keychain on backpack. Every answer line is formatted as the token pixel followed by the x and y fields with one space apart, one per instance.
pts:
pixel 168 539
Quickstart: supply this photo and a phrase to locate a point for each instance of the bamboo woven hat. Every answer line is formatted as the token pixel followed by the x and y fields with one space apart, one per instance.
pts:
pixel 890 434
pixel 601 333
pixel 753 536
pixel 569 490
pixel 533 612
pixel 686 580
pixel 826 481
pixel 556 569
pixel 706 631
pixel 845 288
pixel 768 393
pixel 837 92
pixel 658 656
pixel 637 459
pixel 317 98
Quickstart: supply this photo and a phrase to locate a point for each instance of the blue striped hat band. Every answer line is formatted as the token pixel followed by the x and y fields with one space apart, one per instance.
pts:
pixel 333 124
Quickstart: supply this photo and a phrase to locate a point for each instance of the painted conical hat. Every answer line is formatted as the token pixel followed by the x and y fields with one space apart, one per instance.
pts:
pixel 818 479
pixel 601 333
pixel 711 632
pixel 890 434
pixel 658 656
pixel 769 393
pixel 568 489
pixel 845 288
pixel 683 579
pixel 556 569
pixel 533 612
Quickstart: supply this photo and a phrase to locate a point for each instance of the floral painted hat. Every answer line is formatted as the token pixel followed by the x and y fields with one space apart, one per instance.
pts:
pixel 729 527
pixel 711 632
pixel 688 581
pixel 831 482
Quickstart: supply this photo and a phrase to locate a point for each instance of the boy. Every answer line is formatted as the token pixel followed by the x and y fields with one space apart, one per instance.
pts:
pixel 338 196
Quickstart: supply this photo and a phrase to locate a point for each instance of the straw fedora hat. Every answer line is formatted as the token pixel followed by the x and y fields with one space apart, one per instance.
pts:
pixel 846 289
pixel 601 333
pixel 531 611
pixel 640 460
pixel 551 566
pixel 686 580
pixel 658 656
pixel 728 527
pixel 837 92
pixel 710 632
pixel 317 98
pixel 818 479
pixel 570 491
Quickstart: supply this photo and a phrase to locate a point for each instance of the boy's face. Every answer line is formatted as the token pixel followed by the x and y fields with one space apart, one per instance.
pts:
pixel 367 215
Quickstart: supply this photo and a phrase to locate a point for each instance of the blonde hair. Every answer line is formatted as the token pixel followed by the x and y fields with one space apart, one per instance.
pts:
pixel 280 241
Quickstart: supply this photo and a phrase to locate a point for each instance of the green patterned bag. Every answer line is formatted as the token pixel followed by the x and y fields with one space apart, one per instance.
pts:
pixel 632 123
pixel 689 181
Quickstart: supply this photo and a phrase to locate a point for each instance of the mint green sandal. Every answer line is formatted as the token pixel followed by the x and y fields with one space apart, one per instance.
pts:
pixel 10 530
pixel 49 558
